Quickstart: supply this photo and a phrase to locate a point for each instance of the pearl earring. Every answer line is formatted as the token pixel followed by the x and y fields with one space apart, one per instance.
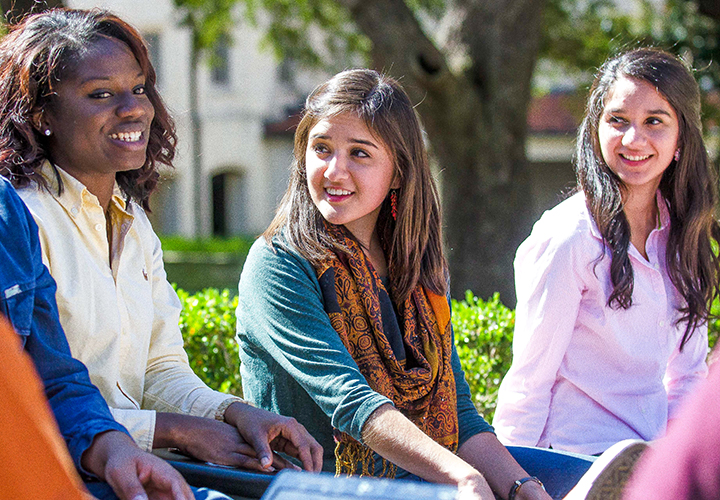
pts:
pixel 677 154
pixel 47 132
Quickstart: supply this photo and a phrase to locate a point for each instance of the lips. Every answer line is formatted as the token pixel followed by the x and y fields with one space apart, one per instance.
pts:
pixel 127 136
pixel 337 195
pixel 635 157
pixel 337 192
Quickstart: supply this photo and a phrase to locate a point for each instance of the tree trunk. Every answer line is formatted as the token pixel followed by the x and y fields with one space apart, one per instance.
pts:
pixel 196 127
pixel 476 122
pixel 710 8
pixel 16 9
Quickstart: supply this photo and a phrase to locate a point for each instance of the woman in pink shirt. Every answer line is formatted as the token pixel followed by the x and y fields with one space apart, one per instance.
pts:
pixel 614 285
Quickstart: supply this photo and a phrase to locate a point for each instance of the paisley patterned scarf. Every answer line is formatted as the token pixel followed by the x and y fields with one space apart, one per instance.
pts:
pixel 422 386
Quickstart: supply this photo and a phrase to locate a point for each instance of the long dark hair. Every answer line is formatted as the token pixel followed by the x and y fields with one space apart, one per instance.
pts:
pixel 413 242
pixel 33 56
pixel 689 185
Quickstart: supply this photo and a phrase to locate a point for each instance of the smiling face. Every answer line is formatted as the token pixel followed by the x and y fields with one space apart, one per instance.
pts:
pixel 99 116
pixel 350 173
pixel 638 134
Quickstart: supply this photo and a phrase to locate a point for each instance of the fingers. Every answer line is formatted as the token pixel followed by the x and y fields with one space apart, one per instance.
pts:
pixel 309 450
pixel 300 444
pixel 281 463
pixel 126 484
pixel 260 441
pixel 250 462
pixel 266 431
pixel 160 481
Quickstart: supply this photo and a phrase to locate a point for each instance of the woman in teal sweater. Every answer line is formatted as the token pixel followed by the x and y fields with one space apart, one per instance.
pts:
pixel 343 318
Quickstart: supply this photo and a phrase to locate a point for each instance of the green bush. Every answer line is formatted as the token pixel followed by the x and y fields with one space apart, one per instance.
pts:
pixel 483 337
pixel 714 324
pixel 207 323
pixel 237 244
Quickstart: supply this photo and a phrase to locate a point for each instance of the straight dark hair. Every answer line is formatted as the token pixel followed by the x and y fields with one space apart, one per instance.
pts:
pixel 413 242
pixel 689 186
pixel 33 56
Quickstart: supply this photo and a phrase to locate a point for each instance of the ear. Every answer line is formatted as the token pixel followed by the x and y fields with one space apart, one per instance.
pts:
pixel 38 121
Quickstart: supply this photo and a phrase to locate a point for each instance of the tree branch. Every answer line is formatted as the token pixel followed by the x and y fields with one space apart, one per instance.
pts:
pixel 399 44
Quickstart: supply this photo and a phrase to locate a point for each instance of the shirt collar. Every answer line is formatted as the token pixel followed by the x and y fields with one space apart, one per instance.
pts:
pixel 663 211
pixel 75 196
pixel 663 215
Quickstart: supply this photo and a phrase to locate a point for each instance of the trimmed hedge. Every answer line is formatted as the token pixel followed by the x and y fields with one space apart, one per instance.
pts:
pixel 483 336
pixel 207 323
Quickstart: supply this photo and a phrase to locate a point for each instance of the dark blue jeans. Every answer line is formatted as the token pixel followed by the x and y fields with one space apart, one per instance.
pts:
pixel 558 470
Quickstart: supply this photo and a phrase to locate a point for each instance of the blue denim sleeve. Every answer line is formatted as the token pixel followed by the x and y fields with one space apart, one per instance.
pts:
pixel 27 298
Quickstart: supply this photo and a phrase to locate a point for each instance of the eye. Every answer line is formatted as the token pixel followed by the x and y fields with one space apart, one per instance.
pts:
pixel 140 90
pixel 320 149
pixel 100 94
pixel 615 119
pixel 653 120
pixel 360 153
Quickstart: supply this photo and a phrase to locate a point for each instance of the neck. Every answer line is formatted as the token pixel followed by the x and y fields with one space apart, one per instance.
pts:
pixel 101 185
pixel 641 211
pixel 370 244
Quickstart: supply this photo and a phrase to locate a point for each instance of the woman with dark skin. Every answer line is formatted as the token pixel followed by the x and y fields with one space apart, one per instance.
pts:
pixel 82 132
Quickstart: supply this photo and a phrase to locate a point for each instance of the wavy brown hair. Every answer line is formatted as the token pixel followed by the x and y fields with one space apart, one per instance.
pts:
pixel 413 242
pixel 689 186
pixel 33 56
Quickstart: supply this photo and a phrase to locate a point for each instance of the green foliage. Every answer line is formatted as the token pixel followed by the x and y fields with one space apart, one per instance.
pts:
pixel 207 323
pixel 581 35
pixel 209 20
pixel 316 33
pixel 483 337
pixel 237 245
pixel 714 324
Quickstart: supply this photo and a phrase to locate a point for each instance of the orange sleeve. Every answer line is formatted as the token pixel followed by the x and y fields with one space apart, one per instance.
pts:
pixel 34 462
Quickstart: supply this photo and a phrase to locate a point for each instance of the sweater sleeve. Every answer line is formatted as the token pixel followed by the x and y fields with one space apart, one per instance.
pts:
pixel 281 309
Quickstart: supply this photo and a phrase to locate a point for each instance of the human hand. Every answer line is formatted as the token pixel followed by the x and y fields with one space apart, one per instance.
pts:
pixel 209 440
pixel 132 473
pixel 267 431
pixel 474 487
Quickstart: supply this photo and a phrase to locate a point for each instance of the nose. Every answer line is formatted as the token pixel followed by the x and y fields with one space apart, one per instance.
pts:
pixel 336 167
pixel 131 105
pixel 633 136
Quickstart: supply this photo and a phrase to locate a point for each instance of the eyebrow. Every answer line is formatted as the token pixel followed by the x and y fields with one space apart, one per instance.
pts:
pixel 358 141
pixel 106 78
pixel 649 112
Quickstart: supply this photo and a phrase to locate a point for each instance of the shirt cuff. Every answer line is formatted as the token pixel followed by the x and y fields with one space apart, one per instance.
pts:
pixel 140 424
pixel 220 411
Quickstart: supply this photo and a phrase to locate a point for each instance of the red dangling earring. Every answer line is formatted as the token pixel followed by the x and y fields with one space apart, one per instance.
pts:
pixel 393 203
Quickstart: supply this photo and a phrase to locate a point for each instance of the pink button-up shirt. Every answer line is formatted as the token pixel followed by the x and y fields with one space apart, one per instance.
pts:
pixel 585 375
